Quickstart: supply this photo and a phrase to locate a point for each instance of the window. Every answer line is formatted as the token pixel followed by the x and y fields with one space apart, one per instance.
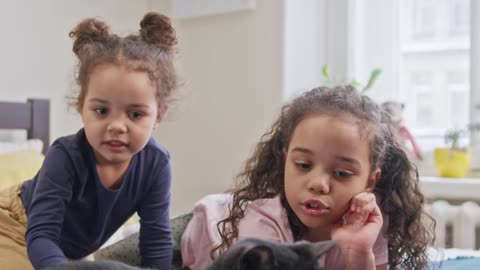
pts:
pixel 423 17
pixel 434 64
pixel 423 48
pixel 459 20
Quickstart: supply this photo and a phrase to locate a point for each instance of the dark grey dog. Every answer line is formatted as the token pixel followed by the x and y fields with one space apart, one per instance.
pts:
pixel 96 265
pixel 255 254
pixel 247 254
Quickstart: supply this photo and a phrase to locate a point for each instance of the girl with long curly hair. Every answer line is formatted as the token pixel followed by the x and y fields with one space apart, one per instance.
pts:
pixel 329 168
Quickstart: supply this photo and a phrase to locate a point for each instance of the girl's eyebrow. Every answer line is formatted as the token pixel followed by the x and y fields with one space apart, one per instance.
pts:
pixel 99 100
pixel 348 160
pixel 302 150
pixel 104 101
pixel 141 106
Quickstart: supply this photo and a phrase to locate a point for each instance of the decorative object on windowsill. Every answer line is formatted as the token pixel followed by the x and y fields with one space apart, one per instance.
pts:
pixel 454 161
pixel 394 108
pixel 403 135
pixel 362 88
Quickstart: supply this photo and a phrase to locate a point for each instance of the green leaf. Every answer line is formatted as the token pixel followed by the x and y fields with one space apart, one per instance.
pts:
pixel 356 84
pixel 452 137
pixel 373 77
pixel 326 72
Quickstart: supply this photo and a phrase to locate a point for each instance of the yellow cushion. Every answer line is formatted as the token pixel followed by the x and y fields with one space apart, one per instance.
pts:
pixel 16 167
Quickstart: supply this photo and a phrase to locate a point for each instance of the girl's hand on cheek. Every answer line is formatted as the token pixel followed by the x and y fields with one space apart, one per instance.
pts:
pixel 358 230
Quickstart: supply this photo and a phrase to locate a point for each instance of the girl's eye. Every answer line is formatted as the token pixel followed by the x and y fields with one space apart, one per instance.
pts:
pixel 302 166
pixel 101 110
pixel 135 115
pixel 343 174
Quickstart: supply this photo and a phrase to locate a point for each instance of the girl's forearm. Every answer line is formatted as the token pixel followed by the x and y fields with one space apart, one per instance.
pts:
pixel 359 260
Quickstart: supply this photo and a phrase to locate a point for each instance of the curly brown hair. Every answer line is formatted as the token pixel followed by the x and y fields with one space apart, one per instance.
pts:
pixel 398 189
pixel 152 51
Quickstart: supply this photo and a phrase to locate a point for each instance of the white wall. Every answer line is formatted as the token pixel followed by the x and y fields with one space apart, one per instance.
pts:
pixel 233 72
pixel 233 67
pixel 306 48
pixel 35 52
pixel 371 51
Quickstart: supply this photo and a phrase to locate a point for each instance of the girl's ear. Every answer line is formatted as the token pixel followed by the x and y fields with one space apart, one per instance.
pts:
pixel 373 179
pixel 82 117
pixel 161 114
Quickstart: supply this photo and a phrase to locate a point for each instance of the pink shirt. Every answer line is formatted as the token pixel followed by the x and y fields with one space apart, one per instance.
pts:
pixel 264 219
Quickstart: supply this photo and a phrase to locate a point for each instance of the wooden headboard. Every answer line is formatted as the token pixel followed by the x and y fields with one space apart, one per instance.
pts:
pixel 32 116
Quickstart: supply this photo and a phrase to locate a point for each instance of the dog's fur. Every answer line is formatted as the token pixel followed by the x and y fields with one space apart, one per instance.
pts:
pixel 96 265
pixel 247 254
pixel 255 254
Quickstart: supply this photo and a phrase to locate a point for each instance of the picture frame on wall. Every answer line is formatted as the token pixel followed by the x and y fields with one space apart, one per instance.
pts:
pixel 183 9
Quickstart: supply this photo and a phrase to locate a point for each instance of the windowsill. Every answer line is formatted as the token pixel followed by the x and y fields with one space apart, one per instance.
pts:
pixel 472 174
pixel 441 46
pixel 435 187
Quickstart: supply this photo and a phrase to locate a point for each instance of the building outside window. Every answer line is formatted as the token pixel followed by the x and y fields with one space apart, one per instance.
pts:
pixel 434 64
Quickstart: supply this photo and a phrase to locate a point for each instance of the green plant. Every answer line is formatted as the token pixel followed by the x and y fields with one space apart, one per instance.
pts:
pixel 363 88
pixel 452 136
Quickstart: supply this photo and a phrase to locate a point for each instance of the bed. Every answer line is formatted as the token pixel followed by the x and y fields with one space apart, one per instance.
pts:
pixel 21 160
pixel 32 116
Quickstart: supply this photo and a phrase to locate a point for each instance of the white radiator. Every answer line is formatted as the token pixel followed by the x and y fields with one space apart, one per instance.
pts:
pixel 464 220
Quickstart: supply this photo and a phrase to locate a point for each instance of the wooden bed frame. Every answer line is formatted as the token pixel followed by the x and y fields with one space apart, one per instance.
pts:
pixel 32 116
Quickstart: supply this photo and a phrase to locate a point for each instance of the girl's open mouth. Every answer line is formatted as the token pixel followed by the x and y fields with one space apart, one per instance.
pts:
pixel 314 208
pixel 115 145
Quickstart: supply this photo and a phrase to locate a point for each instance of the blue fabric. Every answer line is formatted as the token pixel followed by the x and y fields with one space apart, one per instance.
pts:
pixel 71 214
pixel 460 263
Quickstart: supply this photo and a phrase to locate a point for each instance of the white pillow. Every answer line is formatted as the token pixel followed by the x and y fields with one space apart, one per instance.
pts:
pixel 32 144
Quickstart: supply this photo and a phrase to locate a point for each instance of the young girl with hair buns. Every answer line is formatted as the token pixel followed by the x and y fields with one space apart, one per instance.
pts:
pixel 93 181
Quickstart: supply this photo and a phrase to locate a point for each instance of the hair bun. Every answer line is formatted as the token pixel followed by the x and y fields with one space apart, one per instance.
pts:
pixel 157 29
pixel 88 31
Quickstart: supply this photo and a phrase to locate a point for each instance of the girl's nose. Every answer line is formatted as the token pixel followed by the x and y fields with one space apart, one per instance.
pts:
pixel 117 126
pixel 319 184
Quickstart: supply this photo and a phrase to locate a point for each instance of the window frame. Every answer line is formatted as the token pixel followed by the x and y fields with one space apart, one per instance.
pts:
pixel 363 58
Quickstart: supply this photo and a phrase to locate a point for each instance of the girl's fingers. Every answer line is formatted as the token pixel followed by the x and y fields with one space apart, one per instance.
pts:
pixel 367 209
pixel 362 200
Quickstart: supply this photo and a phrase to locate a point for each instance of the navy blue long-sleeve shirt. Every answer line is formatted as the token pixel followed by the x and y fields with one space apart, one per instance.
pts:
pixel 71 214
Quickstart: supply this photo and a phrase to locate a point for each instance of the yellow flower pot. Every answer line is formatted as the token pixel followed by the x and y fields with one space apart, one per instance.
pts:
pixel 452 163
